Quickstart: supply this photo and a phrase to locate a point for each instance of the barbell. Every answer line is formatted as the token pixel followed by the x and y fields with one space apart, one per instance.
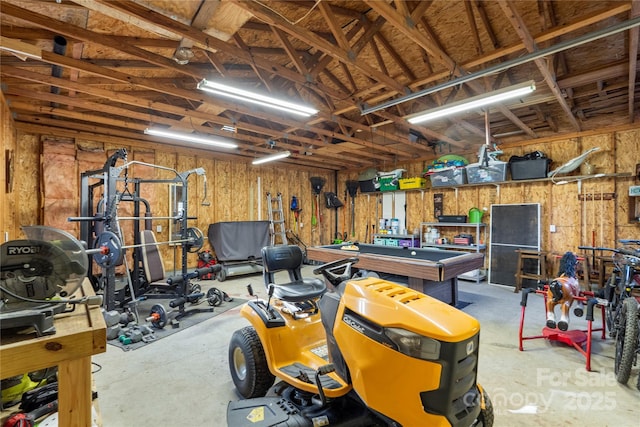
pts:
pixel 130 218
pixel 108 249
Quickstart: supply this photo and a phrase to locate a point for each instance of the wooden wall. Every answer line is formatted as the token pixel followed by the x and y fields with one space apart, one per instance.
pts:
pixel 45 166
pixel 597 219
pixel 46 179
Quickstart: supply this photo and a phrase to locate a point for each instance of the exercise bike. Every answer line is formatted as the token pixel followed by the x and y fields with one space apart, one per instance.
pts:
pixel 352 351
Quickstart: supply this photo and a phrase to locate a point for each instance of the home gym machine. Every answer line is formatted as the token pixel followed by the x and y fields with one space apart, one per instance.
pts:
pixel 100 229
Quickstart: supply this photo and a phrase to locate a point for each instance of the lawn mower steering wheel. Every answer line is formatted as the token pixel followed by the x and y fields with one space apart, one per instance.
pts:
pixel 327 270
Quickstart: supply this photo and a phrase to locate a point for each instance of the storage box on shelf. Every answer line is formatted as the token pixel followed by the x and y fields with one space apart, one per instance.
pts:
pixel 453 218
pixel 415 183
pixel 368 186
pixel 388 183
pixel 448 177
pixel 529 169
pixel 368 181
pixel 403 240
pixel 494 171
pixel 463 239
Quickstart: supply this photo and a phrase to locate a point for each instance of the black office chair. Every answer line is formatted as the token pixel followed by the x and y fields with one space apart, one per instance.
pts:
pixel 289 258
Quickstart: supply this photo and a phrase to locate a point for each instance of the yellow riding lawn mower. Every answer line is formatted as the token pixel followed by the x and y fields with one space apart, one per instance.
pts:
pixel 352 351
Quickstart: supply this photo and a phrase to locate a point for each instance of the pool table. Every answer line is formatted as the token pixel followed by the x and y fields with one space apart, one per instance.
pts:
pixel 431 271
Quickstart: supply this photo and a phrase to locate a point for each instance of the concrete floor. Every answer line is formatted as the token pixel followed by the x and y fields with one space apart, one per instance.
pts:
pixel 184 379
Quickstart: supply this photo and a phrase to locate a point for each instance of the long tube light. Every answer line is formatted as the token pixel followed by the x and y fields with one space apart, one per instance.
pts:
pixel 255 98
pixel 182 136
pixel 474 102
pixel 505 65
pixel 271 158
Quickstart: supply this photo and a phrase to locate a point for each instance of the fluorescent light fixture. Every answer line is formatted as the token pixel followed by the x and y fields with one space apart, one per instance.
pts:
pixel 255 98
pixel 474 102
pixel 181 136
pixel 272 157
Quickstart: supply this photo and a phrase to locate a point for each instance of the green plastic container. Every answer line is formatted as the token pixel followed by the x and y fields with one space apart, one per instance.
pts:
pixel 475 215
pixel 388 184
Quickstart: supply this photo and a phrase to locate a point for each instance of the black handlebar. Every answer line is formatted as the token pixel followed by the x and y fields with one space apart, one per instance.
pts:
pixel 335 279
pixel 333 264
pixel 622 251
pixel 629 241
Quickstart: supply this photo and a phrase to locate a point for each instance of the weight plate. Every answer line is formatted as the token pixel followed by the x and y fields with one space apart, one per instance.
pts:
pixel 195 239
pixel 219 295
pixel 214 297
pixel 195 294
pixel 111 254
pixel 159 315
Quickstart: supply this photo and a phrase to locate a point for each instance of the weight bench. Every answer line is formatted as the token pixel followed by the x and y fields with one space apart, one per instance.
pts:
pixel 152 262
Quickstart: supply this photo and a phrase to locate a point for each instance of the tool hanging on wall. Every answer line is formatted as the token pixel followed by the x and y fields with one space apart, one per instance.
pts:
pixel 352 188
pixel 317 183
pixel 344 216
pixel 295 209
pixel 366 233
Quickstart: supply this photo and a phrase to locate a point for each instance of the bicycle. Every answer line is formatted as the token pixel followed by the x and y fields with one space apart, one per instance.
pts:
pixel 622 292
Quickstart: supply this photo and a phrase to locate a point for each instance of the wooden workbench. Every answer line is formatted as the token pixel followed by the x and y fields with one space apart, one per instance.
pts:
pixel 79 335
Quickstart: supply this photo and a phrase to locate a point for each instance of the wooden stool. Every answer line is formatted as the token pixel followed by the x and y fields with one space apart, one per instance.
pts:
pixel 604 263
pixel 586 273
pixel 523 254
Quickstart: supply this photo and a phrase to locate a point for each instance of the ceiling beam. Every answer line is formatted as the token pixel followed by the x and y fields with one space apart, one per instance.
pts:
pixel 633 60
pixel 432 47
pixel 514 17
pixel 497 54
pixel 167 108
pixel 212 44
pixel 265 14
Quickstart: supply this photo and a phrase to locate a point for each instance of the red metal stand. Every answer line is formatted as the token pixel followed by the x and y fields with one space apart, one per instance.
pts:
pixel 575 338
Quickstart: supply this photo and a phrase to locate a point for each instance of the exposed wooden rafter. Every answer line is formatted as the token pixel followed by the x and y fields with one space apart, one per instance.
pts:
pixel 121 72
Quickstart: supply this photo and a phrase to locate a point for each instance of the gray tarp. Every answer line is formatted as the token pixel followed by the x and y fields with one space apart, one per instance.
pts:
pixel 238 240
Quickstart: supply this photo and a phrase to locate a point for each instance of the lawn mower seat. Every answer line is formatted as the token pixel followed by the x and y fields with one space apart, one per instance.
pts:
pixel 289 258
pixel 151 260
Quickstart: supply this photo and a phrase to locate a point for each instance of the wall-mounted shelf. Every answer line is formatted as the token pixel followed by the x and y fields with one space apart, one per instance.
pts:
pixel 568 178
pixel 479 235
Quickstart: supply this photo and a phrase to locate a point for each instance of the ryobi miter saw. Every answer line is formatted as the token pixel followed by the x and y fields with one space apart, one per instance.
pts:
pixel 38 278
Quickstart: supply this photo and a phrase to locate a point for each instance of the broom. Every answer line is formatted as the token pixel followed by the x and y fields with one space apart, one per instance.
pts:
pixel 317 182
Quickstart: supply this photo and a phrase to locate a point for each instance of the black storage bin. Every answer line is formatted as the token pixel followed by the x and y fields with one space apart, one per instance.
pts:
pixel 453 218
pixel 368 181
pixel 368 186
pixel 529 169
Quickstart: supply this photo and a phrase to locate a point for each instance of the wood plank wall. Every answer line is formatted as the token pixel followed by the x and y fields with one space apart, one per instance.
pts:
pixel 237 190
pixel 592 221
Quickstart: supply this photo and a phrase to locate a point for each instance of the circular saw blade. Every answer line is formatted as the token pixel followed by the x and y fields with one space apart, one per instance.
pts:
pixel 49 264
